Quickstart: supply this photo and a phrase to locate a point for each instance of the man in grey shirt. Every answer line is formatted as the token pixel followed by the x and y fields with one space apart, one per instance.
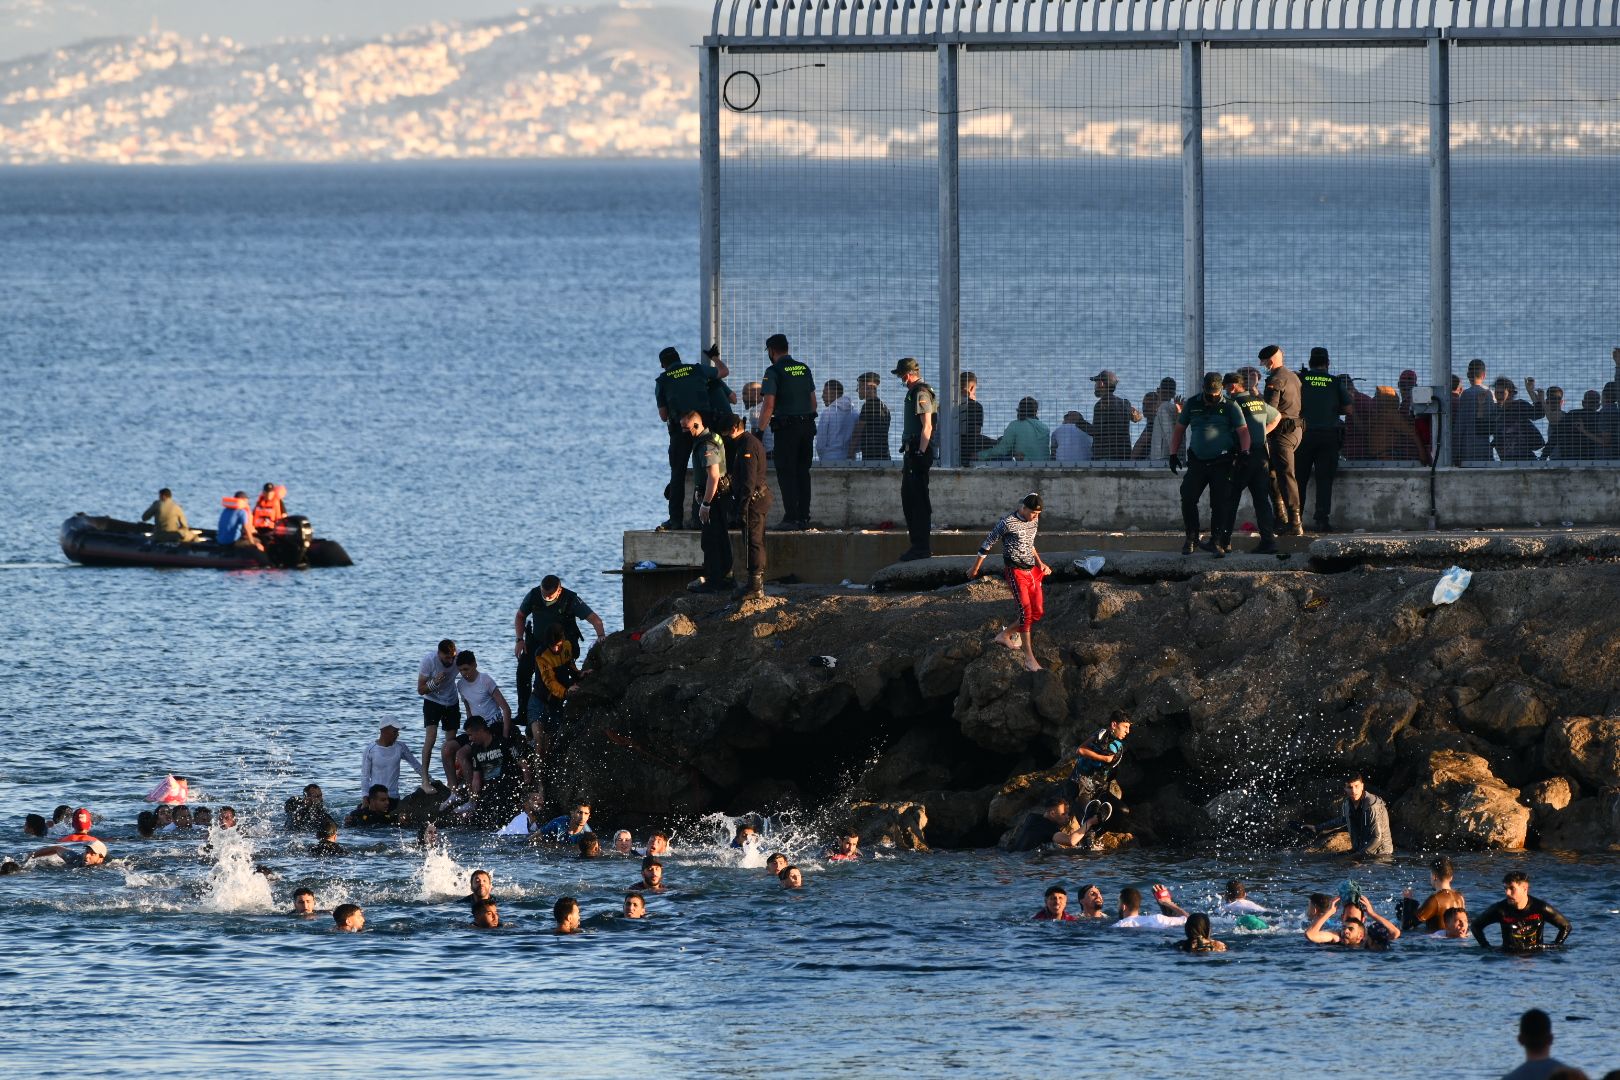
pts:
pixel 1535 1035
pixel 1473 417
pixel 1367 818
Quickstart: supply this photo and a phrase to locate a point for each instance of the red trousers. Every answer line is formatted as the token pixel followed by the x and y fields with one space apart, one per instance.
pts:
pixel 1026 590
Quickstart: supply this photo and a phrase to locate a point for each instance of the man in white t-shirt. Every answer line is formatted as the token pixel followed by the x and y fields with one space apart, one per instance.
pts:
pixel 379 763
pixel 1131 917
pixel 482 697
pixel 436 684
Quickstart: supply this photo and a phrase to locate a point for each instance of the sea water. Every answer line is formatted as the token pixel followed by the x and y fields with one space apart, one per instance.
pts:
pixel 451 369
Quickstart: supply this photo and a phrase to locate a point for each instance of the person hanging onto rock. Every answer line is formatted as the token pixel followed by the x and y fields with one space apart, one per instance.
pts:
pixel 1024 570
pixel 1365 816
pixel 1522 917
pixel 1095 762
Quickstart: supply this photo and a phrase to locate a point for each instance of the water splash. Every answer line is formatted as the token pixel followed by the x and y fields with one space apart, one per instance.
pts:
pixel 232 883
pixel 440 876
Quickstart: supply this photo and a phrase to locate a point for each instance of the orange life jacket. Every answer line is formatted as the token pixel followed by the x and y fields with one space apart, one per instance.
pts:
pixel 267 511
pixel 76 838
pixel 231 502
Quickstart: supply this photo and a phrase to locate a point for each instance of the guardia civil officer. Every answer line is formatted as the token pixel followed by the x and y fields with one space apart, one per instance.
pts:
pixel 1255 477
pixel 1323 398
pixel 788 409
pixel 917 456
pixel 721 396
pixel 1217 443
pixel 681 389
pixel 751 491
pixel 713 485
pixel 1282 394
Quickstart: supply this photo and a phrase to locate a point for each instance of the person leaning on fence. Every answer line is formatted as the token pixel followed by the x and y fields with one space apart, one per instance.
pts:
pixel 1217 442
pixel 1111 420
pixel 682 388
pixel 721 396
pixel 1254 477
pixel 1282 394
pixel 1144 441
pixel 871 436
pixel 917 455
pixel 1070 445
pixel 1390 434
pixel 1025 439
pixel 788 409
pixel 1323 398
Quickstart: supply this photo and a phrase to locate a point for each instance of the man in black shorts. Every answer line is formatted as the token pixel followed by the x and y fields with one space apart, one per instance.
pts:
pixel 436 683
pixel 542 606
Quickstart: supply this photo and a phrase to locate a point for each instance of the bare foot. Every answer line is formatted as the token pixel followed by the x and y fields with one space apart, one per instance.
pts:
pixel 1031 665
pixel 1011 639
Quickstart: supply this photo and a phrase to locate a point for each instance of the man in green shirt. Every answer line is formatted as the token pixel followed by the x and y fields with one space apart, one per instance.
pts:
pixel 1323 398
pixel 917 455
pixel 1026 438
pixel 714 504
pixel 1217 440
pixel 168 519
pixel 1255 478
pixel 681 389
pixel 788 409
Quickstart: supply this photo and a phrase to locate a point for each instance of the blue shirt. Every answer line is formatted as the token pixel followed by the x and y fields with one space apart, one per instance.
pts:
pixel 232 523
pixel 557 829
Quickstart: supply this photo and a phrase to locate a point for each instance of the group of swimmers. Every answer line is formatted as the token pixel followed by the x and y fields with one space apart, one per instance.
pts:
pixel 1523 918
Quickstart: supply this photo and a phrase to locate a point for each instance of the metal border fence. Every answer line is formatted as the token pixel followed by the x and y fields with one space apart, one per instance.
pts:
pixel 1190 27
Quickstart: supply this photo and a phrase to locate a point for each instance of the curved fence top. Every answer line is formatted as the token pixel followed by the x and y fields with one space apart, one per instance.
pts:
pixel 878 22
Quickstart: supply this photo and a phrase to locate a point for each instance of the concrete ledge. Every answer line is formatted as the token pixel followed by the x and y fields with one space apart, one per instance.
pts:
pixel 926 574
pixel 1509 546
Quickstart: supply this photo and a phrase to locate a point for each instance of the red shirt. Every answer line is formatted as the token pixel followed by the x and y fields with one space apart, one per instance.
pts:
pixel 1046 916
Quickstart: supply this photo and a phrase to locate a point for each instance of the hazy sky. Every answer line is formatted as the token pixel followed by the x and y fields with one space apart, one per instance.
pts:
pixel 30 26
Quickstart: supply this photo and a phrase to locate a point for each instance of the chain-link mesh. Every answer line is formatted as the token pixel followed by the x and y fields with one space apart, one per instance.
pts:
pixel 1316 229
pixel 1070 204
pixel 829 188
pixel 1535 137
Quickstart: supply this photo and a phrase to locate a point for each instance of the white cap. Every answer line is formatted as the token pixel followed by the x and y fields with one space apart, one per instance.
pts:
pixel 98 847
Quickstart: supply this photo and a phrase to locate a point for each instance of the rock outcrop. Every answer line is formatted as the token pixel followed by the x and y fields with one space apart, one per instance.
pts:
pixel 1492 722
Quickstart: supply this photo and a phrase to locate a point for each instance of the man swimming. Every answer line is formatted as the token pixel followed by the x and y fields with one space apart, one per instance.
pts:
pixel 1054 908
pixel 791 877
pixel 1522 917
pixel 1353 932
pixel 847 849
pixel 652 876
pixel 303 905
pixel 566 914
pixel 1198 938
pixel 776 863
pixel 349 918
pixel 1090 901
pixel 1170 916
pixel 1454 925
pixel 635 906
pixel 485 915
pixel 624 843
pixel 590 846
pixel 481 885
pixel 747 837
pixel 1430 915
pixel 71 855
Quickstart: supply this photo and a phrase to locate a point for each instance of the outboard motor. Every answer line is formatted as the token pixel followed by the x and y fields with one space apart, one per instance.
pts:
pixel 289 544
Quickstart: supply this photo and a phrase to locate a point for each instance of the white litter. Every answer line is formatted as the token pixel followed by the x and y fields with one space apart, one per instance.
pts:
pixel 1451 585
pixel 1092 565
pixel 646 564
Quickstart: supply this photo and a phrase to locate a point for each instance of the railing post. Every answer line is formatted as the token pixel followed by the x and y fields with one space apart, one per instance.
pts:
pixel 950 264
pixel 1192 214
pixel 1440 238
pixel 709 196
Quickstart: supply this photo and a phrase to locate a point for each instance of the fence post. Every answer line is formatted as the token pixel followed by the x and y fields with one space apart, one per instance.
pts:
pixel 1440 238
pixel 950 265
pixel 1192 214
pixel 709 196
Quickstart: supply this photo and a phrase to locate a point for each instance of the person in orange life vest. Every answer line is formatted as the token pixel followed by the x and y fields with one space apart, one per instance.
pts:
pixel 267 511
pixel 81 828
pixel 234 528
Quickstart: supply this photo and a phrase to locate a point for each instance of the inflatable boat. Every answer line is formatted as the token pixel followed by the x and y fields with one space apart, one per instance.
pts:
pixel 104 541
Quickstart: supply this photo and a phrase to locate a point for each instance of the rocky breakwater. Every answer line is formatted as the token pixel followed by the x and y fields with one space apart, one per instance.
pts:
pixel 1492 722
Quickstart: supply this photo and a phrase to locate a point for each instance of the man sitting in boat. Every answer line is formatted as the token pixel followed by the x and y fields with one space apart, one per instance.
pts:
pixel 234 528
pixel 169 519
pixel 268 511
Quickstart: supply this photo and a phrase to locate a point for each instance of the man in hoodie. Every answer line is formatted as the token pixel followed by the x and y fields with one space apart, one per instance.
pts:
pixel 1365 816
pixel 836 427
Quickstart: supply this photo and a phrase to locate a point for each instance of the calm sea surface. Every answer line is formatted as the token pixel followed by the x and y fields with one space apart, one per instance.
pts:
pixel 451 370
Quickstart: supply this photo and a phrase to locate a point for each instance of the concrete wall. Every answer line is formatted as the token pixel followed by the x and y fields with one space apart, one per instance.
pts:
pixel 1150 499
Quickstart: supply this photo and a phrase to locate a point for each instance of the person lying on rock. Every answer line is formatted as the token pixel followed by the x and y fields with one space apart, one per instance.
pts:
pixel 1522 917
pixel 1430 915
pixel 1024 570
pixel 1054 909
pixel 1354 931
pixel 1053 825
pixel 1170 916
pixel 1365 816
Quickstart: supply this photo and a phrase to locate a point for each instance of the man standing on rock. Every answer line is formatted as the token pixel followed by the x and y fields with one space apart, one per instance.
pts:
pixel 1283 394
pixel 1367 818
pixel 1217 440
pixel 1024 570
pixel 714 504
pixel 917 456
pixel 753 495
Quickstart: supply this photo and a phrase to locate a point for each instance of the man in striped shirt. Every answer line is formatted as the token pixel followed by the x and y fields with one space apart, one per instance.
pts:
pixel 1024 570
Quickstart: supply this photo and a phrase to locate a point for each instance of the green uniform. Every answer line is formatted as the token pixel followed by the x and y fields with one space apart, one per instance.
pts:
pixel 1259 416
pixel 921 401
pixel 1211 427
pixel 684 388
pixel 1322 400
pixel 794 388
pixel 709 449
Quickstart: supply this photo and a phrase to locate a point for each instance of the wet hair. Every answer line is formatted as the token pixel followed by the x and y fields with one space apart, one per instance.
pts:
pixel 61 814
pixel 1321 901
pixel 1319 357
pixel 317 787
pixel 1476 369
pixel 777 343
pixel 786 870
pixel 481 906
pixel 776 855
pixel 465 656
pixel 342 912
pixel 1056 890
pixel 477 723
pixel 303 890
pixel 1269 351
pixel 1056 799
pixel 202 812
pixel 1515 877
pixel 376 788
pixel 589 846
pixel 327 829
pixel 1355 778
pixel 1442 869
pixel 634 895
pixel 9 867
pixel 1197 926
pixel 1446 915
pixel 422 831
pixel 145 822
pixel 658 834
pixel 1235 890
pixel 1535 1030
pixel 1119 716
pixel 1130 897
pixel 446 645
pixel 562 907
pixel 164 493
pixel 1028 407
pixel 34 824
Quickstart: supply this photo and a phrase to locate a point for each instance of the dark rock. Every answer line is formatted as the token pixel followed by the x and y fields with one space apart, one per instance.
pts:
pixel 1004 708
pixel 890 824
pixel 1024 793
pixel 957 817
pixel 667 634
pixel 921 758
pixel 1584 825
pixel 1459 804
pixel 1585 747
pixel 1508 713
